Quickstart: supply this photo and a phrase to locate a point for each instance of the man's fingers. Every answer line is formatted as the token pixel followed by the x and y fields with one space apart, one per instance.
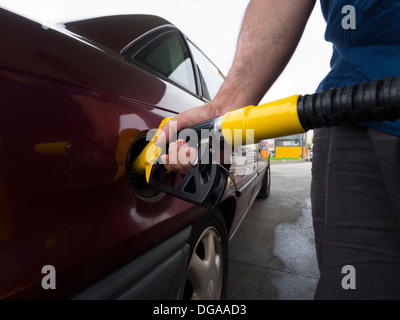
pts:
pixel 173 153
pixel 180 157
pixel 162 138
pixel 164 159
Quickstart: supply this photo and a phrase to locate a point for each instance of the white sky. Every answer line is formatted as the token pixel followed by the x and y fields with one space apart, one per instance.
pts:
pixel 212 24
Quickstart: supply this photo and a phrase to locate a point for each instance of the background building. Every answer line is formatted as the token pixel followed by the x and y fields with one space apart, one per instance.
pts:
pixel 295 146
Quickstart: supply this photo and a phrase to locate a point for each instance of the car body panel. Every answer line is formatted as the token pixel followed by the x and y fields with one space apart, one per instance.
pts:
pixel 71 106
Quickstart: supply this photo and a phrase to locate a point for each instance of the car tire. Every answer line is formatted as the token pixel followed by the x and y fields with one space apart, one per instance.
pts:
pixel 207 273
pixel 266 184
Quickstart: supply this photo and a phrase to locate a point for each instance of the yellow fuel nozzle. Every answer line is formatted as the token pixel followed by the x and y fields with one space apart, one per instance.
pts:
pixel 145 160
pixel 267 121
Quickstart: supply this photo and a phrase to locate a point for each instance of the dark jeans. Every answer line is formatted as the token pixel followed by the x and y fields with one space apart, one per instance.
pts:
pixel 355 195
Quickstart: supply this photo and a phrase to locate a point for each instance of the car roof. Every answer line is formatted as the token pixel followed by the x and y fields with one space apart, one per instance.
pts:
pixel 115 32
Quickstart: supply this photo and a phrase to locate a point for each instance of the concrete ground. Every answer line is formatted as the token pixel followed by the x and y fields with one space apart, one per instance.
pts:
pixel 272 257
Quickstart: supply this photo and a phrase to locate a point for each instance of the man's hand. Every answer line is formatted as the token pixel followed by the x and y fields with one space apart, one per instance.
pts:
pixel 180 157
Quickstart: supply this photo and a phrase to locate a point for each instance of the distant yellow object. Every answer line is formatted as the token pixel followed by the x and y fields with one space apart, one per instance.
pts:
pixel 265 154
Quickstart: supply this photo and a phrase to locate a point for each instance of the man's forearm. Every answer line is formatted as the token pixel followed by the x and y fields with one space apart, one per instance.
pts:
pixel 270 32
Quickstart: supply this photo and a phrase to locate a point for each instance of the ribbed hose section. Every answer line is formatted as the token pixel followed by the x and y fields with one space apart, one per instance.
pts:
pixel 377 100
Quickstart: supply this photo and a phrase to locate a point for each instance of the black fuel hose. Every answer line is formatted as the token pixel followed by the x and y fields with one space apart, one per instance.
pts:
pixel 377 100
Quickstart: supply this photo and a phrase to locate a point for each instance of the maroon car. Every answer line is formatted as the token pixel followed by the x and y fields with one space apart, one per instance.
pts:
pixel 75 223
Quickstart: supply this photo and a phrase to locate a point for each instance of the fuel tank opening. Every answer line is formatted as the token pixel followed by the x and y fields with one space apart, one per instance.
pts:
pixel 137 182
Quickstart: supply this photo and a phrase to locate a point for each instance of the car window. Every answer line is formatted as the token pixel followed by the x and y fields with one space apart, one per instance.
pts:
pixel 211 78
pixel 169 56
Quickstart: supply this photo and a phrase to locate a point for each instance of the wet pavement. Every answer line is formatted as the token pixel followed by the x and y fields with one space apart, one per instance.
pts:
pixel 272 256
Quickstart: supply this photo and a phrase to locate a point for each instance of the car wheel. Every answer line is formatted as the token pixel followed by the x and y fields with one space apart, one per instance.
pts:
pixel 207 273
pixel 266 184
